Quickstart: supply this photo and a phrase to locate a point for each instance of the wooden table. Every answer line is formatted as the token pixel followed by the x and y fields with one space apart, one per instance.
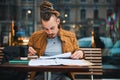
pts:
pixel 46 69
pixel 25 67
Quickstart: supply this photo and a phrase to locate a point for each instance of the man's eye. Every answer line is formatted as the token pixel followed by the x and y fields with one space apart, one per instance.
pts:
pixel 52 28
pixel 45 29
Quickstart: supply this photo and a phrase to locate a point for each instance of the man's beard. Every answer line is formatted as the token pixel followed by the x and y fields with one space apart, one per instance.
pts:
pixel 50 35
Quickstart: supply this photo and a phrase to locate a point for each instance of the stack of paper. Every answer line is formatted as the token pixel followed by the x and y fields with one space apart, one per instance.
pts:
pixel 45 62
pixel 62 59
pixel 63 56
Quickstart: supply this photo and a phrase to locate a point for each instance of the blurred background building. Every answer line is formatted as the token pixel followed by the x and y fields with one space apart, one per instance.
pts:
pixel 20 18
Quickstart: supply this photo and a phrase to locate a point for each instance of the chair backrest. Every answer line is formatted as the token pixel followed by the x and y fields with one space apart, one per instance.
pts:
pixel 11 52
pixel 1 54
pixel 93 55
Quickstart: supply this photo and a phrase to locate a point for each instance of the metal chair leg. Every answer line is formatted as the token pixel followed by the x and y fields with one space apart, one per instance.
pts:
pixel 47 75
pixel 91 77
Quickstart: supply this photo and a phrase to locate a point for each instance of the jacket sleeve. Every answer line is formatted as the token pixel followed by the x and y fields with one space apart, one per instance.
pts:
pixel 75 43
pixel 32 39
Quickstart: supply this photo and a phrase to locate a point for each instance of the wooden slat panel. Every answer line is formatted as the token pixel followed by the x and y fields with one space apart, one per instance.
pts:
pixel 93 55
pixel 1 48
pixel 89 73
pixel 88 58
pixel 95 61
pixel 90 48
pixel 1 54
pixel 95 66
pixel 94 70
pixel 92 52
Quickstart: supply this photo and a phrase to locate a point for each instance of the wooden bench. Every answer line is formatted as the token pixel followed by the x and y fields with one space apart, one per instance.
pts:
pixel 93 55
pixel 1 54
pixel 1 60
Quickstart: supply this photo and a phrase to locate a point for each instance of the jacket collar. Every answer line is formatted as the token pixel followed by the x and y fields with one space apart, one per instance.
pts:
pixel 61 35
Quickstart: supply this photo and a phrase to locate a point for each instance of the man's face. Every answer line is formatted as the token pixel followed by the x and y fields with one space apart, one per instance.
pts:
pixel 51 26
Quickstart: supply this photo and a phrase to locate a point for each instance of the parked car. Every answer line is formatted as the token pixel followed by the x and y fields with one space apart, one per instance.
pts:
pixel 115 53
pixel 115 50
pixel 86 42
pixel 111 53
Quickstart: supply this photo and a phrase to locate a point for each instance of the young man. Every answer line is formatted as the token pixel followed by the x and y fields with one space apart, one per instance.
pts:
pixel 53 40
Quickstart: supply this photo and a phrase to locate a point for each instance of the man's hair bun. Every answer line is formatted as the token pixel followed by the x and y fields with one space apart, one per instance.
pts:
pixel 46 10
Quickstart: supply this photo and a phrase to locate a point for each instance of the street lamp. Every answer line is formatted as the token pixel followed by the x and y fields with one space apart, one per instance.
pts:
pixel 28 12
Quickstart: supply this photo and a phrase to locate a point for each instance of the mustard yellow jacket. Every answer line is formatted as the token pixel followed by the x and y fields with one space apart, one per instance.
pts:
pixel 38 41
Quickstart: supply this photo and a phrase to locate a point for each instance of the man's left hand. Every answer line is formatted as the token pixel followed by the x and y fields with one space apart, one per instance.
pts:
pixel 77 55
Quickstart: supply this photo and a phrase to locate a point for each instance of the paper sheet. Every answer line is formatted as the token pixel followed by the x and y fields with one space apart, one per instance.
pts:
pixel 42 62
pixel 73 62
pixel 61 59
pixel 64 55
pixel 45 62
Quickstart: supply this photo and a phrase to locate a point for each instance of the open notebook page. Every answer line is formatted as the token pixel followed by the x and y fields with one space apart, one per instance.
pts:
pixel 64 55
pixel 57 61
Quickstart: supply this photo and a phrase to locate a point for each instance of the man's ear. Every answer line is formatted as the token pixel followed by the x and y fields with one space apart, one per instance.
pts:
pixel 58 21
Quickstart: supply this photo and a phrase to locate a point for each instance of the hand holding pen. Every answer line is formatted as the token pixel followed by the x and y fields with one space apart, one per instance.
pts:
pixel 31 51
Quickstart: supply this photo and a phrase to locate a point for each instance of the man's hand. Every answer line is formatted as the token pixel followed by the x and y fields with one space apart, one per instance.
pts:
pixel 31 51
pixel 77 55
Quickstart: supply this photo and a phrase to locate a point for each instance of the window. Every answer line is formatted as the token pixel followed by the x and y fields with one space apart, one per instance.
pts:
pixel 96 14
pixel 66 0
pixel 53 1
pixel 67 14
pixel 23 13
pixel 109 1
pixel 27 0
pixel 83 0
pixel 27 14
pixel 83 14
pixel 109 11
pixel 96 1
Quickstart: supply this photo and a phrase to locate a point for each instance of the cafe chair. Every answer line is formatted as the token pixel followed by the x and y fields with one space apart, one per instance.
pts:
pixel 93 55
pixel 1 55
pixel 6 54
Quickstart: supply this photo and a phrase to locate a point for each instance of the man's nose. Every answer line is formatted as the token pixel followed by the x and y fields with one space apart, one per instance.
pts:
pixel 49 31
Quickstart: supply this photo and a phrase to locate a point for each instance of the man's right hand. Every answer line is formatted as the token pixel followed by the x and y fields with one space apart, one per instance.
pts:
pixel 31 51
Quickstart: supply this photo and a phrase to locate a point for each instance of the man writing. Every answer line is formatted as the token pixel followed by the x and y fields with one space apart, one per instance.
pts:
pixel 53 40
